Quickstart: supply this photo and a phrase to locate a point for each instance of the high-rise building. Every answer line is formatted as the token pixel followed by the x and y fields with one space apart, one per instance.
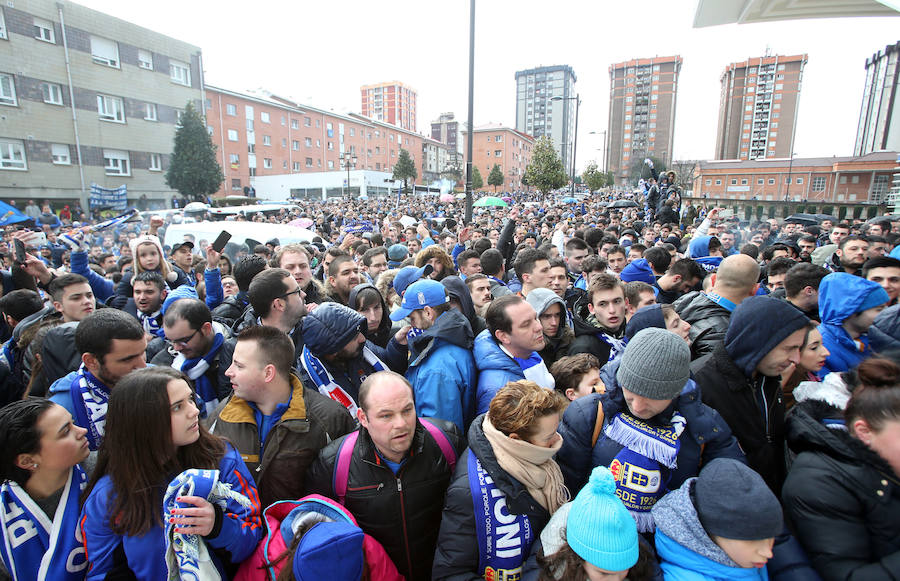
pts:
pixel 879 120
pixel 86 98
pixel 758 107
pixel 538 115
pixel 494 144
pixel 392 102
pixel 447 130
pixel 642 94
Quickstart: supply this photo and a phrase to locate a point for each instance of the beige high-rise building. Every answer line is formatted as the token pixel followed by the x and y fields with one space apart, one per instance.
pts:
pixel 642 98
pixel 758 107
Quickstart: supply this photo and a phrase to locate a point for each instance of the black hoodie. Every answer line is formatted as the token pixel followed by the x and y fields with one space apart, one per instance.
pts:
pixel 458 290
pixel 382 335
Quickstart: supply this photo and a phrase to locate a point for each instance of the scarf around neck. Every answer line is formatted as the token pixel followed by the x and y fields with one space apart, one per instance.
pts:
pixel 151 322
pixel 196 369
pixel 326 384
pixel 531 465
pixel 89 401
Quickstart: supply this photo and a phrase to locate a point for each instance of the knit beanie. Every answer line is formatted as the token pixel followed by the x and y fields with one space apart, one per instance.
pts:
pixel 644 318
pixel 599 528
pixel 184 291
pixel 734 502
pixel 639 270
pixel 329 550
pixel 656 364
pixel 757 325
pixel 876 297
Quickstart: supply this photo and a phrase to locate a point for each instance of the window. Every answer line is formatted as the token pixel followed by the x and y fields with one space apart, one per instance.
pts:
pixel 105 51
pixel 283 142
pixel 799 180
pixel 267 140
pixel 231 110
pixel 771 181
pixel 7 90
pixel 308 142
pixel 232 135
pixel 12 154
pixel 307 122
pixel 498 139
pixel 155 162
pixel 249 124
pixel 330 146
pixel 308 162
pixel 296 166
pixel 330 164
pixel 843 180
pixel 318 143
pixel 180 73
pixel 744 181
pixel 283 120
pixel 718 182
pixel 59 153
pixel 759 181
pixel 235 160
pixel 295 124
pixel 318 124
pixel 709 182
pixel 52 93
pixel 733 181
pixel 854 180
pixel 150 112
pixel 264 117
pixel 209 129
pixel 145 59
pixel 111 108
pixel 251 148
pixel 284 164
pixel 267 163
pixel 235 184
pixel 2 26
pixel 352 132
pixel 116 162
pixel 498 153
pixel 295 145
pixel 43 30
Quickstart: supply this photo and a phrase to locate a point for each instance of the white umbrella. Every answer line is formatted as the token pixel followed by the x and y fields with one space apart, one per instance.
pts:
pixel 408 221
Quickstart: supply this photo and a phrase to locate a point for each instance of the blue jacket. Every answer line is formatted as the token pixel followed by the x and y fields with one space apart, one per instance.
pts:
pixel 840 296
pixel 238 535
pixel 705 438
pixel 103 287
pixel 442 370
pixel 698 249
pixel 60 394
pixel 495 369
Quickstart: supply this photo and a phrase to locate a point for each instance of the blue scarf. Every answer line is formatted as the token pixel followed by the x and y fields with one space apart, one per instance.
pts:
pixel 536 370
pixel 326 384
pixel 616 346
pixel 151 322
pixel 641 468
pixel 196 370
pixel 721 301
pixel 89 399
pixel 504 539
pixel 36 547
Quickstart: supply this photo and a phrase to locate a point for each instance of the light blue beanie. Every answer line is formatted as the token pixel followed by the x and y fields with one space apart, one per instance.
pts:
pixel 599 528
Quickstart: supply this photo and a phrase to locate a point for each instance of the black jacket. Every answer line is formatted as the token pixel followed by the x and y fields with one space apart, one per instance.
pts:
pixel 739 400
pixel 382 334
pixel 457 555
pixel 401 512
pixel 842 499
pixel 705 317
pixel 586 340
pixel 231 310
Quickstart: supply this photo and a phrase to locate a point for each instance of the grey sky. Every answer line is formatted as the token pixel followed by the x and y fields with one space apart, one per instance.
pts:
pixel 321 53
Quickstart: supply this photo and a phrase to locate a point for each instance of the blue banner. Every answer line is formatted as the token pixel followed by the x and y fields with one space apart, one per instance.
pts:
pixel 116 199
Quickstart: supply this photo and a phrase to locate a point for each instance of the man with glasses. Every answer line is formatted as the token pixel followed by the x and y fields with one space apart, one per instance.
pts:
pixel 194 345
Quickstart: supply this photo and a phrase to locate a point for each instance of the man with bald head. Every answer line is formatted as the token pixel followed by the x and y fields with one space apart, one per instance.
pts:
pixel 709 312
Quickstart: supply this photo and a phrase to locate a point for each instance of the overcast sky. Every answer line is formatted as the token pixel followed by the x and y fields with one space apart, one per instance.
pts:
pixel 320 53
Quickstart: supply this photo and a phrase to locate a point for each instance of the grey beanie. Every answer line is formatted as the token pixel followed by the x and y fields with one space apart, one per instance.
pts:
pixel 656 364
pixel 733 502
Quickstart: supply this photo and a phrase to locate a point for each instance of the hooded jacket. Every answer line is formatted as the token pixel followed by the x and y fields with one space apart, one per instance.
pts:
pixel 586 340
pixel 842 295
pixel 685 549
pixel 442 370
pixel 698 249
pixel 457 554
pixel 458 290
pixel 495 369
pixel 556 346
pixel 382 334
pixel 706 317
pixel 842 498
pixel 751 404
pixel 884 334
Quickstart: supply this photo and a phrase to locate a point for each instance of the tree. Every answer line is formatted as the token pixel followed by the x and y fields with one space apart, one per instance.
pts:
pixel 496 177
pixel 477 182
pixel 593 177
pixel 546 171
pixel 610 178
pixel 193 170
pixel 405 169
pixel 640 170
pixel 685 172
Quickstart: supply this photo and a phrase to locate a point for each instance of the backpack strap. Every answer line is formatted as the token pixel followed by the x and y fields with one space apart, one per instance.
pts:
pixel 598 424
pixel 443 443
pixel 342 466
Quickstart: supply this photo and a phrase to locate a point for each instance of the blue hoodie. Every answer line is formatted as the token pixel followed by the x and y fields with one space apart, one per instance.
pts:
pixel 698 249
pixel 842 295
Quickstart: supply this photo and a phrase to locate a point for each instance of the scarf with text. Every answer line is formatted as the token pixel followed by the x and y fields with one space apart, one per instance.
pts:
pixel 89 400
pixel 326 384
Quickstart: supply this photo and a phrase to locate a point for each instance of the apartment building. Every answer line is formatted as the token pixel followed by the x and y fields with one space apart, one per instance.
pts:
pixel 545 106
pixel 494 144
pixel 392 102
pixel 879 117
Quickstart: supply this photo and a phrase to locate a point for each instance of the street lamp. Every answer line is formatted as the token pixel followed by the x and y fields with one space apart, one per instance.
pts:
pixel 787 194
pixel 348 161
pixel 575 137
pixel 603 133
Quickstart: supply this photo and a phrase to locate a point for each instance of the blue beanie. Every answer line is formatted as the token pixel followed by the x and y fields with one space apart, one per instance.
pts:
pixel 638 270
pixel 185 291
pixel 329 550
pixel 649 316
pixel 876 297
pixel 599 528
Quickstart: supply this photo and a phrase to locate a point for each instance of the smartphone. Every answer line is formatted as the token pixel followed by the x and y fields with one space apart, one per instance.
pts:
pixel 20 251
pixel 37 239
pixel 219 243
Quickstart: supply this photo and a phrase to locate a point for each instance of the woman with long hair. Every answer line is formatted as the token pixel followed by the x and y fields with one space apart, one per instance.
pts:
pixel 800 377
pixel 508 479
pixel 153 435
pixel 40 448
pixel 843 491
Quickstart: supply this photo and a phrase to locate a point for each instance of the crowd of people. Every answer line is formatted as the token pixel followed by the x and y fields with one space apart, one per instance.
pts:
pixel 554 391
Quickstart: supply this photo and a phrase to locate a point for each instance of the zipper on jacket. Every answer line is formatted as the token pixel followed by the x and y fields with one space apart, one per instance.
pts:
pixel 378 486
pixel 405 532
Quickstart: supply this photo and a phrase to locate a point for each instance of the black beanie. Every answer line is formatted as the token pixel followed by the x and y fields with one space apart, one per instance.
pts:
pixel 733 502
pixel 757 325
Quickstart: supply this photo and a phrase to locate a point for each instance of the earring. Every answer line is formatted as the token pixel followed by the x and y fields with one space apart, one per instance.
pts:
pixel 34 466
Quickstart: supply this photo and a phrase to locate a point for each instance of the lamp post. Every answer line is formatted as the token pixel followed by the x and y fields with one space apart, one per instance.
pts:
pixel 787 194
pixel 348 161
pixel 603 133
pixel 577 100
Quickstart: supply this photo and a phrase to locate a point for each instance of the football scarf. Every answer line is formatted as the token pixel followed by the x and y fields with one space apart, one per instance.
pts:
pixel 89 399
pixel 196 369
pixel 150 322
pixel 326 384
pixel 36 548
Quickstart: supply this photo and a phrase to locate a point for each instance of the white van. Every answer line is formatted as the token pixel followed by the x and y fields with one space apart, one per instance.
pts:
pixel 240 232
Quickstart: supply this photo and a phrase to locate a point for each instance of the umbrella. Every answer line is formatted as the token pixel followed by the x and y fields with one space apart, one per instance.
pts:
pixel 624 204
pixel 301 223
pixel 460 196
pixel 805 219
pixel 447 197
pixel 489 201
pixel 407 221
pixel 570 201
pixel 506 199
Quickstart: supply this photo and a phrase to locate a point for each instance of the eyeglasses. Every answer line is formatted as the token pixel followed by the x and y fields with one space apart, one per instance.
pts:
pixel 182 342
pixel 296 291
